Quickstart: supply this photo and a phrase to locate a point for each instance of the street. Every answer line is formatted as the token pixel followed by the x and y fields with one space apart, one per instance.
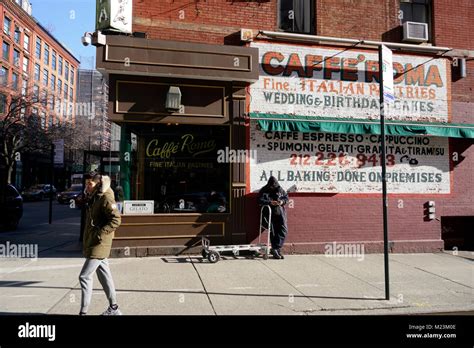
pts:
pixel 34 228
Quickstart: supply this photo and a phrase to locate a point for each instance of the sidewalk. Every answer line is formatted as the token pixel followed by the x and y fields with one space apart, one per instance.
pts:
pixel 298 285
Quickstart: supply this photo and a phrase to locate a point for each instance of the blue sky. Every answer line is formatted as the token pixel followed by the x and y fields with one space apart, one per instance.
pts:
pixel 68 20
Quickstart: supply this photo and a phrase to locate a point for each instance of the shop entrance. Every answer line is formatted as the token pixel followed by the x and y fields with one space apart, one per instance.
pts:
pixel 177 168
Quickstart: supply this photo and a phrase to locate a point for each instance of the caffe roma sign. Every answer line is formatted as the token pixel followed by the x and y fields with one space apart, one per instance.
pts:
pixel 323 82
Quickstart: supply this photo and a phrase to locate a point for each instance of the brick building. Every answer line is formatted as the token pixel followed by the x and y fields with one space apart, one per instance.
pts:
pixel 300 88
pixel 34 61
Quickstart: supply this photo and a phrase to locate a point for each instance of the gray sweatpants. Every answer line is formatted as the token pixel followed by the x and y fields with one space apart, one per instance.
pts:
pixel 101 266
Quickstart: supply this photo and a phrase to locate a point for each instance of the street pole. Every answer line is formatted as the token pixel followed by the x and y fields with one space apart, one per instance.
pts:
pixel 51 179
pixel 384 177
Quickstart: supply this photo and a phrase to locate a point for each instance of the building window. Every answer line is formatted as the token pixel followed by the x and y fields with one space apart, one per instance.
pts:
pixel 72 76
pixel 35 94
pixel 71 94
pixel 6 51
pixel 38 48
pixel 46 54
pixel 53 82
pixel 66 90
pixel 26 43
pixel 17 35
pixel 60 66
pixel 66 71
pixel 416 11
pixel 24 86
pixel 44 98
pixel 15 80
pixel 45 77
pixel 43 120
pixel 22 113
pixel 188 181
pixel 16 57
pixel 37 72
pixel 3 103
pixel 296 16
pixel 26 63
pixel 7 25
pixel 60 86
pixel 53 61
pixel 3 76
pixel 50 121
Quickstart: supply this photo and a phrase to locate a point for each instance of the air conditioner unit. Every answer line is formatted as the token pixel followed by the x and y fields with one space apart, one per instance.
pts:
pixel 415 32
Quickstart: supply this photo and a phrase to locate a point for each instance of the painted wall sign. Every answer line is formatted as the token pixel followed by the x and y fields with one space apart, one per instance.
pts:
pixel 315 81
pixel 114 14
pixel 349 163
pixel 138 207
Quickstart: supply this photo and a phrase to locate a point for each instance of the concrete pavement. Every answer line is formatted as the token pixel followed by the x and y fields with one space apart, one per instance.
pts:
pixel 300 285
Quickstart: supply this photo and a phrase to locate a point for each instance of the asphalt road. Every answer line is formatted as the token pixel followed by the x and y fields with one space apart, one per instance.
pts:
pixel 60 237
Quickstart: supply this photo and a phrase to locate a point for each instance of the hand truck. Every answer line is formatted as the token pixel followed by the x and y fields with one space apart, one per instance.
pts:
pixel 213 253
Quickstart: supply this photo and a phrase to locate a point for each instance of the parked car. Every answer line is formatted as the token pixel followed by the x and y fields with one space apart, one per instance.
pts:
pixel 38 192
pixel 11 208
pixel 71 193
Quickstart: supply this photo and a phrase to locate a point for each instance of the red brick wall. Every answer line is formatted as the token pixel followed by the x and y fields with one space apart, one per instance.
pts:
pixel 211 21
pixel 319 218
pixel 368 19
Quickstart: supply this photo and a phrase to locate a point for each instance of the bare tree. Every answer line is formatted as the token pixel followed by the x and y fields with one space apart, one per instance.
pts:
pixel 22 131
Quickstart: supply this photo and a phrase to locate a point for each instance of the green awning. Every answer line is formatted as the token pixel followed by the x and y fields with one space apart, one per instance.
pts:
pixel 291 123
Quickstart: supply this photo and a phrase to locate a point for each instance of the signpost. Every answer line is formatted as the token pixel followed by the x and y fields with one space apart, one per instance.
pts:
pixel 51 180
pixel 386 90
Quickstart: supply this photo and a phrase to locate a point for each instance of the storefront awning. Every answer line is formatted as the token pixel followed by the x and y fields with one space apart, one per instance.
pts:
pixel 290 123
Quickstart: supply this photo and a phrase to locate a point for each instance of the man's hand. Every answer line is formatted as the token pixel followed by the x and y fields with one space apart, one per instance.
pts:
pixel 275 202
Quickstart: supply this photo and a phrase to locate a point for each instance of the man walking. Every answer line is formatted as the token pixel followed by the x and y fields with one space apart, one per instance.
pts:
pixel 102 219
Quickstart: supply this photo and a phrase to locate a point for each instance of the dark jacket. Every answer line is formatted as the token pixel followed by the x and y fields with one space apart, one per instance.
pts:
pixel 272 191
pixel 102 219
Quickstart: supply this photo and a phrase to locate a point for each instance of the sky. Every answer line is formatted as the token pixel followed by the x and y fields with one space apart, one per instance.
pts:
pixel 68 20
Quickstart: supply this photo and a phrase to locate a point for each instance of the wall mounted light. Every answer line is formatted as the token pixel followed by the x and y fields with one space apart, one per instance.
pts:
pixel 173 99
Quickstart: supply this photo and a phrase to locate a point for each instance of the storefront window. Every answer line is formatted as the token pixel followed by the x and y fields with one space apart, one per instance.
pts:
pixel 176 166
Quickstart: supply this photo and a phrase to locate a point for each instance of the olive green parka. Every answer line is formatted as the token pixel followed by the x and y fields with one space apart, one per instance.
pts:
pixel 102 219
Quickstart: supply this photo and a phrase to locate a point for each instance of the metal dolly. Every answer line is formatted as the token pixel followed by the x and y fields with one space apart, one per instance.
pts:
pixel 213 253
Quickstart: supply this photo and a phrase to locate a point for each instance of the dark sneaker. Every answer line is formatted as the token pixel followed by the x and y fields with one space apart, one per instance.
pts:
pixel 111 311
pixel 281 255
pixel 275 254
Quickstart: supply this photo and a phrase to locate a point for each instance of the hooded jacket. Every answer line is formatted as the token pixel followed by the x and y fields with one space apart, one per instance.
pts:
pixel 272 191
pixel 102 219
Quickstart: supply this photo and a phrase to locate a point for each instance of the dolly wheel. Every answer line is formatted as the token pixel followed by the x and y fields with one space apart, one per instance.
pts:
pixel 213 256
pixel 204 253
pixel 265 256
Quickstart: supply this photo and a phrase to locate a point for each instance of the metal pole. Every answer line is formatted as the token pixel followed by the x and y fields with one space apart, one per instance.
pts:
pixel 83 209
pixel 384 178
pixel 51 179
